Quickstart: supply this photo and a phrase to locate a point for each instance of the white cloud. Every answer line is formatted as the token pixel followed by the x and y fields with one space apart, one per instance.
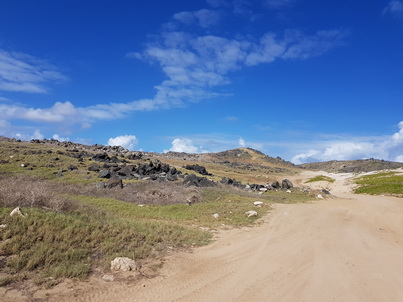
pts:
pixel 59 138
pixel 394 8
pixel 194 66
pixel 126 141
pixel 37 135
pixel 183 145
pixel 387 148
pixel 24 73
pixel 241 142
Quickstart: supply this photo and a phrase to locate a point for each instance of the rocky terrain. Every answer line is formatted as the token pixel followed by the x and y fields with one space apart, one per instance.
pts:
pixel 70 211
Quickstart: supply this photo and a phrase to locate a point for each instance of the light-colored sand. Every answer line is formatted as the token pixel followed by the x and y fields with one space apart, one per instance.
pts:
pixel 349 248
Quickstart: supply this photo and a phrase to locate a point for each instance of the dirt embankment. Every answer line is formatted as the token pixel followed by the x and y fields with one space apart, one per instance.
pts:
pixel 348 248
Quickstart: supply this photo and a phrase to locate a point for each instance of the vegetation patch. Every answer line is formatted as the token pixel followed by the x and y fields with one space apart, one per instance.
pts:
pixel 73 226
pixel 387 183
pixel 321 178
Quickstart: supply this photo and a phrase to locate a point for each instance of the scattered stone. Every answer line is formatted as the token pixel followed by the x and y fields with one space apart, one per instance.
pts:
pixel 123 264
pixel 126 171
pixel 216 215
pixel 114 182
pixel 193 180
pixel 72 167
pixel 197 168
pixel 325 191
pixel 17 212
pixel 258 203
pixel 3 226
pixel 251 213
pixel 94 167
pixel 109 278
pixel 100 185
pixel 276 185
pixel 104 174
pixel 288 191
pixel 263 190
pixel 286 184
pixel 233 182
pixel 319 196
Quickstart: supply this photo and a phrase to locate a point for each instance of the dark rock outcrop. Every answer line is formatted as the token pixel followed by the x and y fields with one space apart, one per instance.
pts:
pixel 193 180
pixel 114 182
pixel 197 168
pixel 94 167
pixel 286 184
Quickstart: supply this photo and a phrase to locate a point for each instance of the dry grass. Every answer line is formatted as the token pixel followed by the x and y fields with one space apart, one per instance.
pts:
pixel 21 191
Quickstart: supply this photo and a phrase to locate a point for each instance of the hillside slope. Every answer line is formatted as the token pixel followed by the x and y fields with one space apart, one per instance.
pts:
pixel 352 166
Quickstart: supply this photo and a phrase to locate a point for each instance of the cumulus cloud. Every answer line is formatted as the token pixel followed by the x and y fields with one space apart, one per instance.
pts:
pixel 394 8
pixel 125 141
pixel 24 73
pixel 387 148
pixel 196 64
pixel 183 145
pixel 37 135
pixel 59 138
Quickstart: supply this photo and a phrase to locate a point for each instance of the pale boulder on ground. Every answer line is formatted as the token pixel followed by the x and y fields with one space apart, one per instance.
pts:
pixel 251 213
pixel 16 212
pixel 123 264
pixel 258 203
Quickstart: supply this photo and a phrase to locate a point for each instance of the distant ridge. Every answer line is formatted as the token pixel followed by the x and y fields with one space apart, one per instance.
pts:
pixel 250 155
pixel 353 166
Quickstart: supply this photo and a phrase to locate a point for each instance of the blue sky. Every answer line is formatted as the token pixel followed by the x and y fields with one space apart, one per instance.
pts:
pixel 300 79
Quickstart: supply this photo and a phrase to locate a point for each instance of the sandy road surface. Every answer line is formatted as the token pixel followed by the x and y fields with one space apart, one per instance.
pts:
pixel 343 249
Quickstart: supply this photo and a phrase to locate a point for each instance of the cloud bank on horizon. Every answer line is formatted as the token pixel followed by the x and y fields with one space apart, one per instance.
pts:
pixel 199 62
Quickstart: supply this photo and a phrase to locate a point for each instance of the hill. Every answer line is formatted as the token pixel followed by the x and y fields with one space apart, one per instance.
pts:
pixel 352 166
pixel 80 206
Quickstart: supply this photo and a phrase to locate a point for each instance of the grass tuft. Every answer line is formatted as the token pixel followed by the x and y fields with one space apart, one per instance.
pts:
pixel 321 178
pixel 389 183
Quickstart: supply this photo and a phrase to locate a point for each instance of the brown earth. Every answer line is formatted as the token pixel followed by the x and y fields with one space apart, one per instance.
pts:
pixel 348 248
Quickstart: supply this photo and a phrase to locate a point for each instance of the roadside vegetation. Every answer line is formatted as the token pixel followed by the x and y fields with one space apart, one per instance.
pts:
pixel 321 178
pixel 70 228
pixel 386 183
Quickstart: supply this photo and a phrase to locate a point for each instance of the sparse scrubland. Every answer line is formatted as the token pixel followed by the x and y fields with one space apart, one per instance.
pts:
pixel 73 225
pixel 71 228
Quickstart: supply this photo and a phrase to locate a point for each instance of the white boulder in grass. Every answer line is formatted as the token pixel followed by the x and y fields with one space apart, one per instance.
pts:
pixel 258 203
pixel 123 264
pixel 251 213
pixel 17 212
pixel 216 215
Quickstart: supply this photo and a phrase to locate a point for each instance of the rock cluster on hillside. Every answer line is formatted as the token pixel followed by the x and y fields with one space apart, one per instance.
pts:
pixel 154 170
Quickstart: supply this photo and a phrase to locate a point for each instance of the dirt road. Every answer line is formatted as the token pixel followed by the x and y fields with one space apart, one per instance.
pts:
pixel 346 249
